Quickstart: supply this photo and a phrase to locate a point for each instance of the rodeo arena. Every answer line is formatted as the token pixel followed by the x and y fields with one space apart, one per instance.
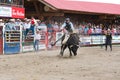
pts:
pixel 59 40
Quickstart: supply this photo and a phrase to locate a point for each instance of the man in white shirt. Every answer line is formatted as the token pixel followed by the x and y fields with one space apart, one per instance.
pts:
pixel 1 22
pixel 37 38
pixel 10 25
pixel 27 27
pixel 33 25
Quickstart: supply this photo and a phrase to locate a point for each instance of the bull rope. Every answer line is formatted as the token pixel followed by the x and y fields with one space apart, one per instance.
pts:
pixel 56 41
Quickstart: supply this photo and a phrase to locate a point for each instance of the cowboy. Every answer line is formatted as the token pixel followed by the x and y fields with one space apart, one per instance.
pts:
pixel 68 29
pixel 10 25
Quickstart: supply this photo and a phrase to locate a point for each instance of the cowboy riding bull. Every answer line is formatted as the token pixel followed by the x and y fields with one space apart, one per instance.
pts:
pixel 70 39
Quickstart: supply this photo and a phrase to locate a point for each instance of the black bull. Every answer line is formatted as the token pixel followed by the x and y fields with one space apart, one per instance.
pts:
pixel 72 44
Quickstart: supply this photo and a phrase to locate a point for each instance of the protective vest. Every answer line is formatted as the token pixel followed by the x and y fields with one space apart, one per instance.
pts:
pixel 68 27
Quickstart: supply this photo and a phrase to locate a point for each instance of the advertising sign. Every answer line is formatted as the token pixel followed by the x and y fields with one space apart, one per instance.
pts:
pixel 27 48
pixel 116 39
pixel 13 12
pixel 97 39
pixel 5 11
pixel 86 40
pixel 58 36
pixel 18 12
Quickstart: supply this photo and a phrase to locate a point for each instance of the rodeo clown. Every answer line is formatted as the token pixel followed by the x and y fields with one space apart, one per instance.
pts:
pixel 68 29
pixel 108 40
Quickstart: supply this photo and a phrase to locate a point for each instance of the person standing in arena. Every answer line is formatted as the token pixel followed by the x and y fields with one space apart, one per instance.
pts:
pixel 108 40
pixel 37 38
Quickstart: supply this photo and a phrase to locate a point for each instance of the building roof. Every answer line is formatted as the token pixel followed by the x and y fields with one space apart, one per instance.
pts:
pixel 82 6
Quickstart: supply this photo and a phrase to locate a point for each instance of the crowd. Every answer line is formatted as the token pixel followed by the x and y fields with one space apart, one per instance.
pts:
pixel 92 29
pixel 54 26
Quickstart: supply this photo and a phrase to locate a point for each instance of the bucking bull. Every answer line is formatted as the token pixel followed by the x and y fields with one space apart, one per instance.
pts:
pixel 72 43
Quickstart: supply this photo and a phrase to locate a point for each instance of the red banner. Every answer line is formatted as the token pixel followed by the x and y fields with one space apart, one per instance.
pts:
pixel 18 12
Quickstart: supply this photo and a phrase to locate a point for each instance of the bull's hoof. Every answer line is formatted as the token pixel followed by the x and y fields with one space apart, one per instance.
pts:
pixel 75 54
pixel 70 55
pixel 61 53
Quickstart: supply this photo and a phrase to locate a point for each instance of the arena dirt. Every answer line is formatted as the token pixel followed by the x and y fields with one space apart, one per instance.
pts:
pixel 91 63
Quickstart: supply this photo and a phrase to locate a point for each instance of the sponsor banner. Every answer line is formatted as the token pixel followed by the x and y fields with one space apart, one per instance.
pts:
pixel 85 40
pixel 58 36
pixel 42 46
pixel 5 11
pixel 43 40
pixel 18 12
pixel 98 39
pixel 31 48
pixel 28 48
pixel 116 39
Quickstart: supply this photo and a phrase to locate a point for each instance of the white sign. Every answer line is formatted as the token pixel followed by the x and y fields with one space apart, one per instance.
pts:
pixel 28 48
pixel 86 40
pixel 116 39
pixel 5 11
pixel 58 36
pixel 42 46
pixel 97 39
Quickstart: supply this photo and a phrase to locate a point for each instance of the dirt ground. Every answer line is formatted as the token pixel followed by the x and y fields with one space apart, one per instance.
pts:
pixel 91 63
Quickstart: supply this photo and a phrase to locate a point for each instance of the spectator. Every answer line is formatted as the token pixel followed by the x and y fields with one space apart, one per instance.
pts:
pixel 114 31
pixel 1 22
pixel 1 1
pixel 49 27
pixel 94 30
pixel 38 22
pixel 89 31
pixel 33 23
pixel 42 26
pixel 27 26
pixel 9 1
pixel 55 26
pixel 10 25
pixel 19 24
pixel 86 30
pixel 80 29
pixel 98 30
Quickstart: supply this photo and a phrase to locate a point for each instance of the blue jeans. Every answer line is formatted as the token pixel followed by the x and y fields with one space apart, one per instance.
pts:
pixel 36 45
pixel 27 30
pixel 32 28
